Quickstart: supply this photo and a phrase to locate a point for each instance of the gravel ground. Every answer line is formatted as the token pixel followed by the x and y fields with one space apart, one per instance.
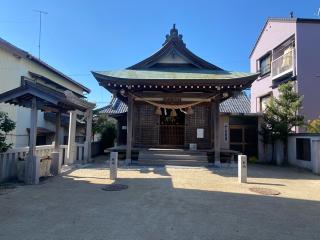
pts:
pixel 164 203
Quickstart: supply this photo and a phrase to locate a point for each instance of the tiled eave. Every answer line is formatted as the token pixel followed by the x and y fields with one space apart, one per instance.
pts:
pixel 112 83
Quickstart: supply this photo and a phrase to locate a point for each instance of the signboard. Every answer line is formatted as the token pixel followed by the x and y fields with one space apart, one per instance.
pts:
pixel 200 133
pixel 124 127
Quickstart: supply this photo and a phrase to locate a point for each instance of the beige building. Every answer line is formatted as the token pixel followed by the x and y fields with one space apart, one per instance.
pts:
pixel 16 65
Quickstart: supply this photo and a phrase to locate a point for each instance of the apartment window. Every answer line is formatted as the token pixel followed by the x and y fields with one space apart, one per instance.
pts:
pixel 264 101
pixel 265 65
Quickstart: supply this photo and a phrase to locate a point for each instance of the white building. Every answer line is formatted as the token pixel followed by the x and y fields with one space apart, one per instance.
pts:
pixel 17 64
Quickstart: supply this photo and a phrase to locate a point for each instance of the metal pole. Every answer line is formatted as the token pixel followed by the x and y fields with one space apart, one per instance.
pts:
pixel 40 28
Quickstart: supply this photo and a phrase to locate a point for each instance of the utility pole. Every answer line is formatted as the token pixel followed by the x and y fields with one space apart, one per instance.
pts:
pixel 40 16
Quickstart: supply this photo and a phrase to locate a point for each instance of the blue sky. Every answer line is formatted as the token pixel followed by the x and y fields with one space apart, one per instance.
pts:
pixel 80 36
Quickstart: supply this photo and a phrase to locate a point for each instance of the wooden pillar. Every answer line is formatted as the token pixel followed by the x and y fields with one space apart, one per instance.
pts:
pixel 32 165
pixel 87 144
pixel 72 137
pixel 119 128
pixel 212 123
pixel 55 155
pixel 216 131
pixel 129 129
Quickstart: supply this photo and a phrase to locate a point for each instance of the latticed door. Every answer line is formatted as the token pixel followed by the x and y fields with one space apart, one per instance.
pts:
pixel 172 128
pixel 200 119
pixel 146 125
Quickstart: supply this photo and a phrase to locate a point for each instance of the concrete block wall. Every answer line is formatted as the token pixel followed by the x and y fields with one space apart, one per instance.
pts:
pixel 314 162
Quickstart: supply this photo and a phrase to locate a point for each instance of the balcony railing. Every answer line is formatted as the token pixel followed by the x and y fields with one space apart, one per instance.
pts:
pixel 283 64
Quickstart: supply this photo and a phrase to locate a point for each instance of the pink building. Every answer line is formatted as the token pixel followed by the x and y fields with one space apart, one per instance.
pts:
pixel 287 49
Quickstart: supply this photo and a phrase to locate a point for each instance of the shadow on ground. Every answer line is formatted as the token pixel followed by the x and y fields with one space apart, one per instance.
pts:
pixel 74 206
pixel 267 171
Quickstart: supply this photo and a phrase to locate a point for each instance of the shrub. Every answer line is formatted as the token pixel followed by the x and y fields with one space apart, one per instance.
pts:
pixel 6 126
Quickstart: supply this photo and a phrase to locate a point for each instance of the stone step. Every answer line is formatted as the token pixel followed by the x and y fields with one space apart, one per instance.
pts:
pixel 179 157
pixel 174 151
pixel 172 163
pixel 170 160
pixel 172 157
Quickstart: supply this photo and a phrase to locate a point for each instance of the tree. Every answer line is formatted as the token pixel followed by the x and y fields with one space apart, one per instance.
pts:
pixel 108 135
pixel 281 116
pixel 106 127
pixel 313 126
pixel 100 121
pixel 6 126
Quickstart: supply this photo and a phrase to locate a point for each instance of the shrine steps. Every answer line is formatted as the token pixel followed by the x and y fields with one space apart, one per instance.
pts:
pixel 176 157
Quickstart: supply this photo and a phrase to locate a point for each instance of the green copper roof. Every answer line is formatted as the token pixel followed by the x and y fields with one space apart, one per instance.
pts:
pixel 173 64
pixel 174 74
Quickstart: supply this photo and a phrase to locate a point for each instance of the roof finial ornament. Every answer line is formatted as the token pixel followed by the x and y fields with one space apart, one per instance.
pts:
pixel 174 31
pixel 291 14
pixel 174 35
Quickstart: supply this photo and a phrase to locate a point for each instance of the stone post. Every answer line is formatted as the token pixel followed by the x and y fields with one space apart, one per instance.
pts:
pixel 242 168
pixel 55 155
pixel 32 165
pixel 71 151
pixel 113 165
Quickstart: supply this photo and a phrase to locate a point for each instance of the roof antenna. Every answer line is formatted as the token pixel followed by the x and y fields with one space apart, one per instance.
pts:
pixel 40 15
pixel 291 14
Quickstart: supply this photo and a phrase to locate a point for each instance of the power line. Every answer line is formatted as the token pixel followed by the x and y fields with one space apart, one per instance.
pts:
pixel 40 25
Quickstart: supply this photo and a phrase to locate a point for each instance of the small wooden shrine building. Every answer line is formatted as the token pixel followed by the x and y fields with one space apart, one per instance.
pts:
pixel 173 97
